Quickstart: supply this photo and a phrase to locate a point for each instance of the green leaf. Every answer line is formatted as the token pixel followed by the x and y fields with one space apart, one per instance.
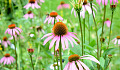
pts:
pixel 102 62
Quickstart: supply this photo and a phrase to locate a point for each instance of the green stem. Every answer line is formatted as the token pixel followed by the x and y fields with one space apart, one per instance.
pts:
pixel 57 59
pixel 54 49
pixel 96 35
pixel 15 50
pixel 31 61
pixel 81 32
pixel 108 64
pixel 89 27
pixel 103 28
pixel 60 53
pixel 110 29
pixel 84 32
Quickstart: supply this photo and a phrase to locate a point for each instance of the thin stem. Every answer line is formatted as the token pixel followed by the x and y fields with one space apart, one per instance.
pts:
pixel 110 29
pixel 96 35
pixel 103 28
pixel 89 27
pixel 57 59
pixel 60 53
pixel 84 32
pixel 54 48
pixel 81 32
pixel 108 64
pixel 15 50
pixel 31 61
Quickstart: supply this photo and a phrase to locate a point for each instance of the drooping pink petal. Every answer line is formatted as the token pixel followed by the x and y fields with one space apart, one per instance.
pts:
pixel 88 9
pixel 118 41
pixel 69 40
pixel 47 35
pixel 57 43
pixel 66 42
pixel 53 41
pixel 72 40
pixel 98 1
pixel 53 20
pixel 62 42
pixel 79 65
pixel 66 67
pixel 47 39
pixel 46 19
pixel 72 35
pixel 59 7
pixel 49 20
pixel 104 1
pixel 8 42
pixel 83 65
pixel 74 66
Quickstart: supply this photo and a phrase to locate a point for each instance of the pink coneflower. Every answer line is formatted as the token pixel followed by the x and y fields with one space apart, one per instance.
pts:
pixel 60 29
pixel 52 16
pixel 13 30
pixel 75 64
pixel 63 5
pixel 5 42
pixel 106 1
pixel 30 50
pixel 114 1
pixel 86 7
pixel 7 59
pixel 116 40
pixel 29 14
pixel 39 28
pixel 40 1
pixel 33 4
pixel 108 22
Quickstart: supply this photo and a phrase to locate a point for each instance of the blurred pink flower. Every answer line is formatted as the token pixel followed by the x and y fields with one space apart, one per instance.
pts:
pixel 116 40
pixel 60 29
pixel 108 22
pixel 5 42
pixel 13 30
pixel 16 37
pixel 63 5
pixel 74 60
pixel 114 1
pixel 106 1
pixel 52 16
pixel 29 14
pixel 40 1
pixel 86 7
pixel 33 4
pixel 7 59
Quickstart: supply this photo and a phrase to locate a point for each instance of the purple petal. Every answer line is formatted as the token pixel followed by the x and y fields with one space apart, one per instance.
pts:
pixel 46 35
pixel 47 39
pixel 53 41
pixel 83 65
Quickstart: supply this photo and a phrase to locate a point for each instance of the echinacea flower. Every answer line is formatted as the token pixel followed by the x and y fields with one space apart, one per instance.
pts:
pixel 63 5
pixel 7 59
pixel 13 30
pixel 114 1
pixel 39 28
pixel 30 50
pixel 29 14
pixel 86 7
pixel 75 63
pixel 60 29
pixel 116 40
pixel 108 22
pixel 5 42
pixel 40 1
pixel 52 16
pixel 33 4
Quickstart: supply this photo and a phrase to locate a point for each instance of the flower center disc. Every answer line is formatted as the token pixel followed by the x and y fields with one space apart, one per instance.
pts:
pixel 31 1
pixel 5 38
pixel 107 19
pixel 60 29
pixel 29 12
pixel 30 50
pixel 85 2
pixel 39 28
pixel 112 6
pixel 11 26
pixel 118 37
pixel 7 55
pixel 53 14
pixel 73 57
pixel 62 2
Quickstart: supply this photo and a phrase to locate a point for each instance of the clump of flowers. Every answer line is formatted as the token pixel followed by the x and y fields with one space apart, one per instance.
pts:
pixel 63 5
pixel 60 29
pixel 108 22
pixel 13 30
pixel 7 59
pixel 5 42
pixel 75 63
pixel 53 16
pixel 29 14
pixel 33 4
